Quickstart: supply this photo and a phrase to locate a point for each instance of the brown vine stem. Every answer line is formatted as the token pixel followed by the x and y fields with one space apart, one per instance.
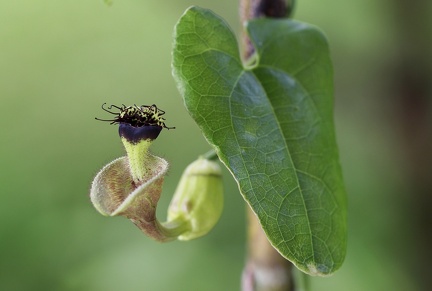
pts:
pixel 261 8
pixel 266 269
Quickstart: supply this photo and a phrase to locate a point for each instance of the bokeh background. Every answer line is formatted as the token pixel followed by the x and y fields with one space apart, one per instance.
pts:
pixel 60 60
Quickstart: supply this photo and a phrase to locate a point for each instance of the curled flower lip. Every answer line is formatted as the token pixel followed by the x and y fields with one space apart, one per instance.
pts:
pixel 114 193
pixel 113 190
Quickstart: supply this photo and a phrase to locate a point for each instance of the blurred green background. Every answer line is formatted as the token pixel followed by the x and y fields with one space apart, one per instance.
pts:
pixel 60 60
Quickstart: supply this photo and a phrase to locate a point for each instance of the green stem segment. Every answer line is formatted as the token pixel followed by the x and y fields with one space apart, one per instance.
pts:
pixel 176 227
pixel 165 231
pixel 210 155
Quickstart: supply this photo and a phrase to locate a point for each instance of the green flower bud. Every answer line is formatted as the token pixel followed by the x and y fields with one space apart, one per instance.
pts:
pixel 198 198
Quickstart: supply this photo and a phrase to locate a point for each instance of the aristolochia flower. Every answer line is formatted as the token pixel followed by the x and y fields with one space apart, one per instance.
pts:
pixel 131 186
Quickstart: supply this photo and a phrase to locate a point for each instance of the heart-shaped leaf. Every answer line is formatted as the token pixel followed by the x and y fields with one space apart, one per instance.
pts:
pixel 272 126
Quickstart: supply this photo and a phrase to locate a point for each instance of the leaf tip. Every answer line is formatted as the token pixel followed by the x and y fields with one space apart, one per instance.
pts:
pixel 195 9
pixel 319 270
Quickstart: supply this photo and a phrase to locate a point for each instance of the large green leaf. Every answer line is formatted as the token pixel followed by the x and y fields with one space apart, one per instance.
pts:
pixel 272 126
